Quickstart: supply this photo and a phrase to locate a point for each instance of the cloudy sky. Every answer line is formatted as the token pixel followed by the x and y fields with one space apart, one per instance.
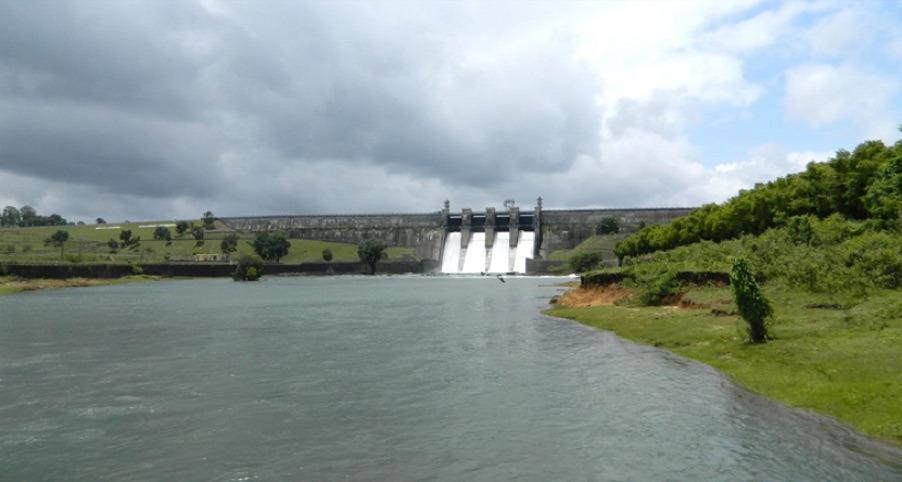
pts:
pixel 166 109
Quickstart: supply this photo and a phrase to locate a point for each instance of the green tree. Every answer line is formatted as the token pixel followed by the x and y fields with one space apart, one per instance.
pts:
pixel 371 251
pixel 162 233
pixel 29 216
pixel 327 254
pixel 583 262
pixel 11 217
pixel 208 220
pixel 753 306
pixel 58 239
pixel 113 245
pixel 100 221
pixel 128 241
pixel 182 227
pixel 271 246
pixel 607 225
pixel 229 244
pixel 198 233
pixel 249 268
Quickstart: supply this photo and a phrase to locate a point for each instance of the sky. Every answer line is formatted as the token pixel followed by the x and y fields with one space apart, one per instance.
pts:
pixel 156 110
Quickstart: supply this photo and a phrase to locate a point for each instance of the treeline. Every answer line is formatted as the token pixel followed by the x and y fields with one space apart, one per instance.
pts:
pixel 864 185
pixel 28 217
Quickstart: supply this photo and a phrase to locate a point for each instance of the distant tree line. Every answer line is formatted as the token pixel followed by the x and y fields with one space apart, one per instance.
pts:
pixel 864 185
pixel 26 216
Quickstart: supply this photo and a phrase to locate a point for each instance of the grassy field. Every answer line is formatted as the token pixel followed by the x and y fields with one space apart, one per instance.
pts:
pixel 88 244
pixel 603 244
pixel 836 355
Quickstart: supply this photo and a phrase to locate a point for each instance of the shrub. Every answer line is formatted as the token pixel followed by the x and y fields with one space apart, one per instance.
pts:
pixel 654 284
pixel 583 262
pixel 753 307
pixel 137 270
pixel 607 226
pixel 249 268
pixel 327 254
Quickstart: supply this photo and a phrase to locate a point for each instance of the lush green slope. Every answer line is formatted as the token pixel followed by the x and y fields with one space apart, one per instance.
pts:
pixel 862 185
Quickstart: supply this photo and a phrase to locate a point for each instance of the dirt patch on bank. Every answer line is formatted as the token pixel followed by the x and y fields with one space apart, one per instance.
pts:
pixel 594 296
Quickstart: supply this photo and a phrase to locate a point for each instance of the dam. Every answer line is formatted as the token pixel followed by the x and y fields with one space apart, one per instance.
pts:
pixel 492 241
pixel 488 242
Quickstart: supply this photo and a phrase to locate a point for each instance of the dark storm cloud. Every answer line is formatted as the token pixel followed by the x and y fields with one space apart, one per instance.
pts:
pixel 145 98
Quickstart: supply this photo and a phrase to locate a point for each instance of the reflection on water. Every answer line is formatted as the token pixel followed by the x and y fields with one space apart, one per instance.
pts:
pixel 394 378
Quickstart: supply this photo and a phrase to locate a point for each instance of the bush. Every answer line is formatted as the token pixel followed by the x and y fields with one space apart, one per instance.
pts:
pixel 137 270
pixel 327 254
pixel 753 307
pixel 249 268
pixel 654 284
pixel 580 263
pixel 607 226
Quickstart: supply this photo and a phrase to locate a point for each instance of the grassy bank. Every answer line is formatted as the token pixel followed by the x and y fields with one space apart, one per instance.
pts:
pixel 12 284
pixel 836 355
pixel 88 244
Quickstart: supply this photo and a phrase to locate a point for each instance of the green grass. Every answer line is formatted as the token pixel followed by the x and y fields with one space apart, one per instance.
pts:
pixel 836 355
pixel 89 244
pixel 598 243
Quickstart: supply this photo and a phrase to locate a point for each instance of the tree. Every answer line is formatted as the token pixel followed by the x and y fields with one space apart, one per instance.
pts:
pixel 162 233
pixel 182 227
pixel 371 251
pixel 58 239
pixel 100 221
pixel 583 262
pixel 28 216
pixel 327 254
pixel 113 245
pixel 11 217
pixel 250 268
pixel 128 241
pixel 229 244
pixel 271 246
pixel 753 307
pixel 198 233
pixel 607 225
pixel 208 220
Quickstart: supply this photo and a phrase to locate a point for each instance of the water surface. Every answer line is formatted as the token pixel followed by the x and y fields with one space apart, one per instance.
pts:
pixel 385 378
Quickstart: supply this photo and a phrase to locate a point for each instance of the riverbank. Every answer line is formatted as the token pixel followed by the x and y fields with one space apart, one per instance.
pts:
pixel 833 354
pixel 13 284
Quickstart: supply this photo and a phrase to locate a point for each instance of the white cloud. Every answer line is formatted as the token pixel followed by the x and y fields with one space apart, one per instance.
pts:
pixel 821 94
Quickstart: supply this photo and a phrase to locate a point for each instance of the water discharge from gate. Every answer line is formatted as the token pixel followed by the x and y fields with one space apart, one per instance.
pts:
pixel 476 258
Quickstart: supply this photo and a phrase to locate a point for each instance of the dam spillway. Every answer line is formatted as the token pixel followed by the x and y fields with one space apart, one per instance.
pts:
pixel 500 258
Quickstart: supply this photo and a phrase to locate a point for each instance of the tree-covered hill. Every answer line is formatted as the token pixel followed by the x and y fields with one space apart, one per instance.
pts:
pixel 864 185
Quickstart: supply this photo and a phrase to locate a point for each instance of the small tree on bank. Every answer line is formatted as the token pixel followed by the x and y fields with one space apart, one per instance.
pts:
pixel 371 251
pixel 753 306
pixel 249 268
pixel 327 254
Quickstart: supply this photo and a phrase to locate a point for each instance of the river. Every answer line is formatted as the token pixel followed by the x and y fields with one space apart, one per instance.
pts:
pixel 377 378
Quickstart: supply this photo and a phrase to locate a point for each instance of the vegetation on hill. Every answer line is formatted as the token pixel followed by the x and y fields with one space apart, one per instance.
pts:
pixel 864 185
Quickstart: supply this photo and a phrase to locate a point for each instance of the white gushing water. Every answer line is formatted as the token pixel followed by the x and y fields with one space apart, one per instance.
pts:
pixel 501 258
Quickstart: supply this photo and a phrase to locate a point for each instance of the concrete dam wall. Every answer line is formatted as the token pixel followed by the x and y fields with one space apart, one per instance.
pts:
pixel 428 234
